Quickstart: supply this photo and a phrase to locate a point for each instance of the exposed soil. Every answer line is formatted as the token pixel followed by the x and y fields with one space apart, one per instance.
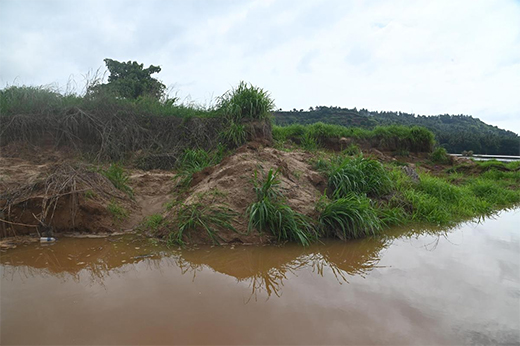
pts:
pixel 47 192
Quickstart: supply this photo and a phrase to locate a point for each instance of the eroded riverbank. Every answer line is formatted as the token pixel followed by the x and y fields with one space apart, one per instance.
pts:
pixel 458 286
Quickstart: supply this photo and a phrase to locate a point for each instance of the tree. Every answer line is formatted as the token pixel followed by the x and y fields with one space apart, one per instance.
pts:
pixel 130 80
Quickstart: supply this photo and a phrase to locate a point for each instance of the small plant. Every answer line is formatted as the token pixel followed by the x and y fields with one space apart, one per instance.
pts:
pixel 116 174
pixel 351 150
pixel 89 194
pixel 440 155
pixel 309 142
pixel 246 101
pixel 201 216
pixel 349 217
pixel 271 213
pixel 117 211
pixel 153 222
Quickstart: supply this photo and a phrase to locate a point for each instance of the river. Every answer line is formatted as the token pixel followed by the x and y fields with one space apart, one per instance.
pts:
pixel 410 286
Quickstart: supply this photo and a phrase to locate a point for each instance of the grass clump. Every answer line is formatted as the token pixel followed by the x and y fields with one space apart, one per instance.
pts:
pixel 195 160
pixel 118 212
pixel 440 155
pixel 198 215
pixel 271 213
pixel 246 102
pixel 358 175
pixel 234 135
pixel 119 178
pixel 152 222
pixel 349 217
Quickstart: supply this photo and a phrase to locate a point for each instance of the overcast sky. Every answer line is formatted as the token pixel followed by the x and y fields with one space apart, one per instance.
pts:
pixel 424 57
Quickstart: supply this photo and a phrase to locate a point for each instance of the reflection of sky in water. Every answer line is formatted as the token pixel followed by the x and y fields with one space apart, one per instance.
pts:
pixel 459 286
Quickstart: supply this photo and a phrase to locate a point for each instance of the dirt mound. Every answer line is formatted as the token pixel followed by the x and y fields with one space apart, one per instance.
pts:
pixel 230 185
pixel 50 198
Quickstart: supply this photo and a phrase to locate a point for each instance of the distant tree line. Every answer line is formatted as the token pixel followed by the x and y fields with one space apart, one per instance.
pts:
pixel 456 133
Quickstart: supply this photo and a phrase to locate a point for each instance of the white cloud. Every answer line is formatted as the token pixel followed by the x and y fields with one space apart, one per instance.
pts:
pixel 423 57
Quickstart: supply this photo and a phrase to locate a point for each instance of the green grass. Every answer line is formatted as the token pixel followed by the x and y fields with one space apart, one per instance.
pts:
pixel 396 137
pixel 270 213
pixel 246 102
pixel 234 135
pixel 152 222
pixel 440 155
pixel 118 212
pixel 200 216
pixel 195 160
pixel 119 178
pixel 349 217
pixel 358 175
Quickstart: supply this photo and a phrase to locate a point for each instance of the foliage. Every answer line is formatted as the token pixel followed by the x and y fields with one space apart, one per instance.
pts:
pixel 456 133
pixel 349 217
pixel 117 211
pixel 117 175
pixel 152 222
pixel 130 80
pixel 246 102
pixel 198 215
pixel 234 135
pixel 390 137
pixel 271 213
pixel 195 160
pixel 358 175
pixel 440 155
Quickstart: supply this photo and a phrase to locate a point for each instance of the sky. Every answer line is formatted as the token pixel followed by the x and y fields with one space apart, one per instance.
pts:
pixel 422 57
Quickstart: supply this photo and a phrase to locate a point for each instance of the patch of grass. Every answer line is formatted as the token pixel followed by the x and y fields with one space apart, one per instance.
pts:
pixel 117 175
pixel 351 150
pixel 234 135
pixel 271 213
pixel 309 142
pixel 195 160
pixel 349 217
pixel 246 102
pixel 198 216
pixel 152 222
pixel 394 137
pixel 440 155
pixel 359 175
pixel 89 194
pixel 118 212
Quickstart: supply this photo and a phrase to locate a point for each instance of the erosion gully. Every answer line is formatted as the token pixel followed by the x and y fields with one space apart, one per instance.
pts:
pixel 410 286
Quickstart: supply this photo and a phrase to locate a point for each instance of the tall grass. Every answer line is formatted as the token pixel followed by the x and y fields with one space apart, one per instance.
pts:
pixel 271 213
pixel 349 217
pixel 358 175
pixel 119 178
pixel 195 160
pixel 200 216
pixel 246 102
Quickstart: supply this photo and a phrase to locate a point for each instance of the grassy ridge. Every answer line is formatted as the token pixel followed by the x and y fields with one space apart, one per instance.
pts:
pixel 394 137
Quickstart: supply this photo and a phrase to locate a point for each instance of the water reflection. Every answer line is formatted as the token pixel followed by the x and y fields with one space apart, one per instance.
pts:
pixel 264 268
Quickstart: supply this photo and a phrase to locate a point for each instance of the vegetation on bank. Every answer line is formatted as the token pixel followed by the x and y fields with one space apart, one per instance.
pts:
pixel 456 133
pixel 132 125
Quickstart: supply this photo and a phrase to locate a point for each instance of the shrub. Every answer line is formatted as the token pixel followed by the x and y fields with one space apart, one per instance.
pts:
pixel 440 155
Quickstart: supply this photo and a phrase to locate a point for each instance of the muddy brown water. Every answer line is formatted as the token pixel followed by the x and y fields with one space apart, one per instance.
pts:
pixel 412 286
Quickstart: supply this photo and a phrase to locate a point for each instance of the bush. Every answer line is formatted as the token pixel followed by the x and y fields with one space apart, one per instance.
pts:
pixel 246 102
pixel 440 155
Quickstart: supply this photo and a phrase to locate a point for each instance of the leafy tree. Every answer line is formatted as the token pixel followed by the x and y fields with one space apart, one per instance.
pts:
pixel 130 80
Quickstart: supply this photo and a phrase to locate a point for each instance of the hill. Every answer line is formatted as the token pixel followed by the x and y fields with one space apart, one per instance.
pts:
pixel 456 133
